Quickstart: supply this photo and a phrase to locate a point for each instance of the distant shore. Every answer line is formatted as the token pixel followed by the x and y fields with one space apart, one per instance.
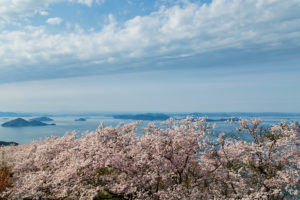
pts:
pixel 2 143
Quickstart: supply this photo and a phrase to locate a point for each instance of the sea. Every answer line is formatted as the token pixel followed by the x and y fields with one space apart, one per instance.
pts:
pixel 67 124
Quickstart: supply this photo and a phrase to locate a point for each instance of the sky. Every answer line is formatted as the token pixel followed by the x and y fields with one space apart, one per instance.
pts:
pixel 150 55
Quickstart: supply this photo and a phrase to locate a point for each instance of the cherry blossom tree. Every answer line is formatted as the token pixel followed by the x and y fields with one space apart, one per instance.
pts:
pixel 179 161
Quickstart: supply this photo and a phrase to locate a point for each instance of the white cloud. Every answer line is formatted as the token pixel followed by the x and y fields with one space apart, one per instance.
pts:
pixel 44 13
pixel 55 20
pixel 192 29
pixel 86 2
pixel 13 10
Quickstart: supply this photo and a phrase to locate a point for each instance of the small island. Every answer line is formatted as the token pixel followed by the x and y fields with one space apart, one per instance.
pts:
pixel 147 116
pixel 42 119
pixel 80 120
pixel 234 119
pixel 2 143
pixel 20 122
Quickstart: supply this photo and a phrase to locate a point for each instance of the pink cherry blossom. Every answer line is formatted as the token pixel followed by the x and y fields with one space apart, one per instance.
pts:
pixel 180 161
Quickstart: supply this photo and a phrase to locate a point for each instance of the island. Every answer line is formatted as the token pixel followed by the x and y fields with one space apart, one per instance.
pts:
pixel 146 116
pixel 233 119
pixel 2 143
pixel 20 122
pixel 42 119
pixel 80 120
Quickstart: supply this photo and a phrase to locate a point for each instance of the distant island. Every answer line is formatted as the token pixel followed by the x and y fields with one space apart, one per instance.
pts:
pixel 147 116
pixel 234 119
pixel 19 122
pixel 237 114
pixel 2 143
pixel 42 119
pixel 80 120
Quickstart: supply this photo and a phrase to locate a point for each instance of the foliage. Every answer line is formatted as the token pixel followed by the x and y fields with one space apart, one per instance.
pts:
pixel 5 175
pixel 181 161
pixel 5 181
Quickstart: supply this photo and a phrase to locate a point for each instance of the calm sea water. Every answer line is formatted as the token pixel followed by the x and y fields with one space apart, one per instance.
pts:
pixel 25 135
pixel 67 124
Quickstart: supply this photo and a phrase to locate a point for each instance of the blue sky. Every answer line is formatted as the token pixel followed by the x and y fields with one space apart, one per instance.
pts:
pixel 154 55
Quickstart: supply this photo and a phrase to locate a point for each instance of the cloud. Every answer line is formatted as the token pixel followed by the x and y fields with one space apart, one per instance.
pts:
pixel 55 20
pixel 14 10
pixel 190 30
pixel 89 2
pixel 44 13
